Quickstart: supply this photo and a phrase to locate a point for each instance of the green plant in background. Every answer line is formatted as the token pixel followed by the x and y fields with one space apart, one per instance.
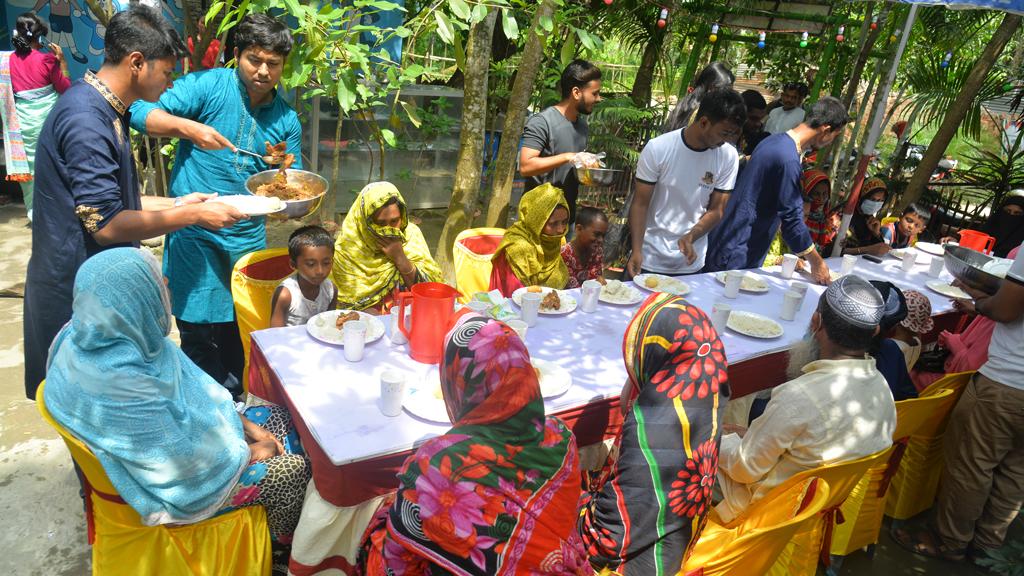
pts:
pixel 169 151
pixel 620 128
pixel 1007 561
pixel 997 172
pixel 435 119
pixel 934 88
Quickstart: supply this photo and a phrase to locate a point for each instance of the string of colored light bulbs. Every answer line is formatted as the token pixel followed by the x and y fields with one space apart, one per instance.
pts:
pixel 804 36
pixel 762 35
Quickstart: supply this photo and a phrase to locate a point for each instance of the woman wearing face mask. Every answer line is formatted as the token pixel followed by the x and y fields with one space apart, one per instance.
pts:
pixel 1007 225
pixel 865 233
pixel 531 252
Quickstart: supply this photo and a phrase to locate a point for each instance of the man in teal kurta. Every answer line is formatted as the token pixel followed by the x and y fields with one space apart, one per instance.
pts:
pixel 204 109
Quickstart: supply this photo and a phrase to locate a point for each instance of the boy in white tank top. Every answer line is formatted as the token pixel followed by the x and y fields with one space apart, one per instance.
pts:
pixel 309 291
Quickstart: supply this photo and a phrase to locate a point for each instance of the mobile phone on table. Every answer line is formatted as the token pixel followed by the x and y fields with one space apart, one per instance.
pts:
pixel 873 258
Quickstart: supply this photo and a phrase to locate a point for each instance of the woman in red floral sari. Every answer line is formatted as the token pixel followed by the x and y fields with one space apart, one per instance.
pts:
pixel 646 509
pixel 497 494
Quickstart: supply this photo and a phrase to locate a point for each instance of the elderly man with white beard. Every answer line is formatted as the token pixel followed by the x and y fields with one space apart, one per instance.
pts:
pixel 835 407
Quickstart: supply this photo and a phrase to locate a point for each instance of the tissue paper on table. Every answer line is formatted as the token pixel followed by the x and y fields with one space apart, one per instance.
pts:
pixel 499 306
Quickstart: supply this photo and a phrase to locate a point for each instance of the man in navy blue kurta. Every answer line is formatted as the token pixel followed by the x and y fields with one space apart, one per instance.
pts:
pixel 244 105
pixel 768 194
pixel 87 190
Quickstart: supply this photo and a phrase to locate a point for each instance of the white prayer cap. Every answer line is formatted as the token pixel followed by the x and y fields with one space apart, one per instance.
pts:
pixel 855 300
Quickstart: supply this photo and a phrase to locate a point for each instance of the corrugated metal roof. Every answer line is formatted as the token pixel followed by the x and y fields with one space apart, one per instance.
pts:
pixel 1001 106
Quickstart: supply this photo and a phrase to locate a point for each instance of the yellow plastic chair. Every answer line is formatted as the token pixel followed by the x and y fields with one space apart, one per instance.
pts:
pixel 752 542
pixel 236 543
pixel 864 508
pixel 253 281
pixel 812 542
pixel 471 256
pixel 916 483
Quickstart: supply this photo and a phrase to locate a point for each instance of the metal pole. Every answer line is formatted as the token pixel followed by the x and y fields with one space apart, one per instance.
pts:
pixel 873 134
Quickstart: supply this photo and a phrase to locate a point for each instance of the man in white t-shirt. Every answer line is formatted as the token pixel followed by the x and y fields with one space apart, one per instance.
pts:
pixel 791 113
pixel 982 487
pixel 683 181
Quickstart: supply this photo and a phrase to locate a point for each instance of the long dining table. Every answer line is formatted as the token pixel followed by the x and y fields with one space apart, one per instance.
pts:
pixel 355 450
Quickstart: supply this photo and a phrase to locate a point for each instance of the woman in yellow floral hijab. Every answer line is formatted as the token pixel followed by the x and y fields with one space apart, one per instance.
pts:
pixel 379 250
pixel 530 253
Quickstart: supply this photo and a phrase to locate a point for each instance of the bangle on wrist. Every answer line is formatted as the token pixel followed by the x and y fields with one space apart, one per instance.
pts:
pixel 411 269
pixel 179 202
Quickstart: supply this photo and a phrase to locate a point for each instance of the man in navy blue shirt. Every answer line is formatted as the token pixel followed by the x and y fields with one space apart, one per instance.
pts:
pixel 87 190
pixel 768 194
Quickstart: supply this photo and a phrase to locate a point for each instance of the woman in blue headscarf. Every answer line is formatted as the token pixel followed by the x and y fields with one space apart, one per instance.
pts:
pixel 166 433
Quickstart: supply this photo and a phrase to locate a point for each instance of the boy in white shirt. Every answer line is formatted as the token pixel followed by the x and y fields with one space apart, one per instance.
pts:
pixel 309 291
pixel 683 181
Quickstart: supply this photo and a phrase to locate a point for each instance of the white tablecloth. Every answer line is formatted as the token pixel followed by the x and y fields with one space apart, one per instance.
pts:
pixel 338 400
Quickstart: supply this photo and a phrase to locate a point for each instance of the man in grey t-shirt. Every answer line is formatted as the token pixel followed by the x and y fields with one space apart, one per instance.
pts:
pixel 553 137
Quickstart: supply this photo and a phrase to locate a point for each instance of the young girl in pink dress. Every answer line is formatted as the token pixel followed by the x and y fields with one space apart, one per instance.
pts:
pixel 30 81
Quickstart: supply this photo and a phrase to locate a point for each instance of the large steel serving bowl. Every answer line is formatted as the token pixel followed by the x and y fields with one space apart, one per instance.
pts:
pixel 965 265
pixel 292 208
pixel 596 176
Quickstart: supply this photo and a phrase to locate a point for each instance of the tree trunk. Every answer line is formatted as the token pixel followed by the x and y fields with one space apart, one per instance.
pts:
pixel 958 110
pixel 515 117
pixel 468 169
pixel 642 86
pixel 844 150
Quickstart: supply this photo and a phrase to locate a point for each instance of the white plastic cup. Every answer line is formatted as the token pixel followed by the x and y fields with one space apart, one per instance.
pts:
pixel 591 290
pixel 733 280
pixel 480 307
pixel 909 260
pixel 392 392
pixel 353 335
pixel 789 262
pixel 936 266
pixel 801 289
pixel 791 300
pixel 720 315
pixel 849 262
pixel 397 337
pixel 519 327
pixel 530 307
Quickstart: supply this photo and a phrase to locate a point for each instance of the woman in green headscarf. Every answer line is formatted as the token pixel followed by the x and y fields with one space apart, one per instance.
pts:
pixel 379 250
pixel 530 253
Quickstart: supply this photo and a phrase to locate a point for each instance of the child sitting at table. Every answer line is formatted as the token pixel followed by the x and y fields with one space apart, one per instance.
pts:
pixel 584 255
pixel 309 291
pixel 888 354
pixel 907 333
pixel 903 233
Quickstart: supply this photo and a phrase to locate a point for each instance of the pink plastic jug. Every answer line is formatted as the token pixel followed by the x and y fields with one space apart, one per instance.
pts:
pixel 433 306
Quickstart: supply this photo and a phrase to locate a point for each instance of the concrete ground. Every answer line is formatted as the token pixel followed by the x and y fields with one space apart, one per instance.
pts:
pixel 44 528
pixel 44 521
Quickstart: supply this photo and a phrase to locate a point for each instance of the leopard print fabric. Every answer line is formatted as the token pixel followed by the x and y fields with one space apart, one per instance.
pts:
pixel 278 483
